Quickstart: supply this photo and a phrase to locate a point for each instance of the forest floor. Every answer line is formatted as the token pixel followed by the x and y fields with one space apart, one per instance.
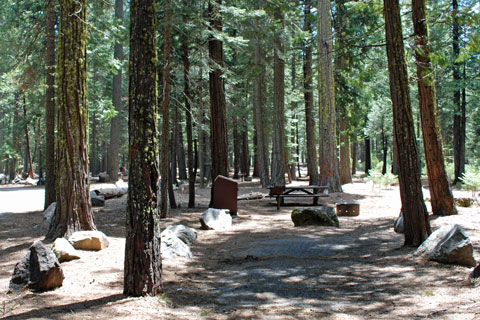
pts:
pixel 262 268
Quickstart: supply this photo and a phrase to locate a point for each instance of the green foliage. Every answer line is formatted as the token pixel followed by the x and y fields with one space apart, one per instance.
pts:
pixel 471 179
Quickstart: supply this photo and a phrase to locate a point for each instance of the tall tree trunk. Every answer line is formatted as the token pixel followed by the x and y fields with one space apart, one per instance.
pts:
pixel 329 174
pixel 368 155
pixel 459 118
pixel 354 157
pixel 395 161
pixel 384 149
pixel 312 162
pixel 50 193
pixel 341 71
pixel 417 226
pixel 165 154
pixel 244 165
pixel 15 136
pixel 143 262
pixel 94 160
pixel 188 119
pixel 115 125
pixel 441 196
pixel 259 101
pixel 278 149
pixel 256 167
pixel 236 149
pixel 202 148
pixel 218 122
pixel 293 136
pixel 181 159
pixel 27 139
pixel 74 209
pixel 345 172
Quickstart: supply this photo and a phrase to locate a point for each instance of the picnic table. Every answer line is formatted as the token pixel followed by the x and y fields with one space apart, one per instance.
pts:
pixel 297 191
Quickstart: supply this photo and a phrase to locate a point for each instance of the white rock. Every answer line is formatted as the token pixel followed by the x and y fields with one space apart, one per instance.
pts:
pixel 172 246
pixel 89 240
pixel 184 233
pixel 216 219
pixel 64 250
pixel 50 212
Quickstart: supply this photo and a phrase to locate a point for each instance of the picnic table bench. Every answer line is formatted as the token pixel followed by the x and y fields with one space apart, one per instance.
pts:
pixel 300 191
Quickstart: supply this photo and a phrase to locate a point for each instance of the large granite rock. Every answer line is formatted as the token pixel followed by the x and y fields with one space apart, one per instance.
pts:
pixel 449 244
pixel 64 250
pixel 216 219
pixel 172 246
pixel 89 240
pixel 319 216
pixel 39 270
pixel 50 212
pixel 184 233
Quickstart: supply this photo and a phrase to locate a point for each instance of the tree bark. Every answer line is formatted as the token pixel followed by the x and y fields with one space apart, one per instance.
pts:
pixel 441 196
pixel 143 264
pixel 459 118
pixel 236 149
pixel 312 162
pixel 341 71
pixel 181 159
pixel 368 155
pixel 188 119
pixel 329 172
pixel 278 149
pixel 417 225
pixel 259 102
pixel 244 163
pixel 166 153
pixel 354 157
pixel 27 139
pixel 218 123
pixel 50 106
pixel 74 210
pixel 115 125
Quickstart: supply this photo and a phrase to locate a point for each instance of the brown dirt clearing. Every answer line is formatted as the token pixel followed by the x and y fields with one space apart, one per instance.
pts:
pixel 262 268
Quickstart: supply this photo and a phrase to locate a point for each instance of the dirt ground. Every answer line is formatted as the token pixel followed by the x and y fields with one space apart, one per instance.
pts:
pixel 262 268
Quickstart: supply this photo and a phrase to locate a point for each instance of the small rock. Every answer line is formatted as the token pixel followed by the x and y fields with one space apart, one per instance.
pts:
pixel 475 274
pixel 398 225
pixel 320 216
pixel 96 199
pixel 64 250
pixel 39 270
pixel 50 212
pixel 172 246
pixel 184 233
pixel 89 240
pixel 216 219
pixel 449 244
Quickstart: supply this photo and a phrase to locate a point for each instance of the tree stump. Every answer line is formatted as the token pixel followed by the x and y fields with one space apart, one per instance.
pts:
pixel 348 209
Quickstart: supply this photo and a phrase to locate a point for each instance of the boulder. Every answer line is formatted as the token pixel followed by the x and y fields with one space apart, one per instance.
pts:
pixel 50 212
pixel 184 233
pixel 89 240
pixel 172 246
pixel 398 225
pixel 64 250
pixel 216 219
pixel 449 244
pixel 39 270
pixel 97 200
pixel 319 216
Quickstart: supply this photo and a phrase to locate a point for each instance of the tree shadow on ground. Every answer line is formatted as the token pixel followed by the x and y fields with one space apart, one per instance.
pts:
pixel 360 270
pixel 56 311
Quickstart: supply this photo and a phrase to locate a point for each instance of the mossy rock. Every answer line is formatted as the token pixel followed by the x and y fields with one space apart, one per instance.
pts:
pixel 319 216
